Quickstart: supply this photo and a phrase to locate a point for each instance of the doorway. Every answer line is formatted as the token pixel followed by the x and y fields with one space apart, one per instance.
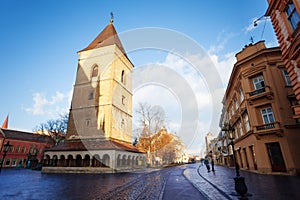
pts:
pixel 276 158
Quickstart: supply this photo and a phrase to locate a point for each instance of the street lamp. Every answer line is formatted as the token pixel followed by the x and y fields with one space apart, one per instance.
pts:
pixel 260 18
pixel 6 147
pixel 239 181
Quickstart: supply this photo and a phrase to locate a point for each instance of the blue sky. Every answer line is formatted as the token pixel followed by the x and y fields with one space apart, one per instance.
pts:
pixel 39 41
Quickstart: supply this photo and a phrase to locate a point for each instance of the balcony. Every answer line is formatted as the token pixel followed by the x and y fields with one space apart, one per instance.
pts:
pixel 255 92
pixel 296 109
pixel 265 126
pixel 264 92
pixel 270 128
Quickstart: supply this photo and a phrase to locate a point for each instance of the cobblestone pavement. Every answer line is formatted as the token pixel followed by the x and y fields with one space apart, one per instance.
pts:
pixel 164 184
pixel 23 184
pixel 260 186
pixel 209 190
pixel 148 186
pixel 179 187
pixel 182 182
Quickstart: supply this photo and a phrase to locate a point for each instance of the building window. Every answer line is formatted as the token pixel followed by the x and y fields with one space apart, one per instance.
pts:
pixel 246 122
pixel 292 15
pixel 241 129
pixel 232 111
pixel 14 162
pixel 23 149
pixel 7 162
pixel 123 76
pixel 31 149
pixel 236 104
pixel 258 82
pixel 95 71
pixel 236 133
pixel 122 123
pixel 286 77
pixel 241 95
pixel 123 100
pixel 87 122
pixel 91 95
pixel 18 149
pixel 267 115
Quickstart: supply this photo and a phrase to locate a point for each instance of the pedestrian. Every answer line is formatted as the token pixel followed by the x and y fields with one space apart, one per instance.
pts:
pixel 212 165
pixel 207 165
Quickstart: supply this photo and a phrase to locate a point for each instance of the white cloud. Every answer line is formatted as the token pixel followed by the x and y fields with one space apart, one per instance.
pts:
pixel 222 40
pixel 224 66
pixel 205 84
pixel 57 104
pixel 251 26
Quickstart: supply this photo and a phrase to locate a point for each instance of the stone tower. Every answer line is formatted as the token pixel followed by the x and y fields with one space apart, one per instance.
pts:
pixel 102 98
pixel 99 137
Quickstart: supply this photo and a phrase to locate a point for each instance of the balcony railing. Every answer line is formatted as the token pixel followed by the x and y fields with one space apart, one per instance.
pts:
pixel 296 109
pixel 265 126
pixel 270 128
pixel 258 91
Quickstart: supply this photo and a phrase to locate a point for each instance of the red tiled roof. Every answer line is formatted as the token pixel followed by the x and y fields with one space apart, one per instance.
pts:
pixel 83 145
pixel 21 135
pixel 107 37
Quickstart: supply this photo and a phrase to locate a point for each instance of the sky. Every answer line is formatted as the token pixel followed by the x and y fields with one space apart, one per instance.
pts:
pixel 184 67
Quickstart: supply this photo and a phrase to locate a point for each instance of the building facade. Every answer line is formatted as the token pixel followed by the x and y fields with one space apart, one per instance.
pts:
pixel 258 104
pixel 208 140
pixel 285 18
pixel 99 137
pixel 27 148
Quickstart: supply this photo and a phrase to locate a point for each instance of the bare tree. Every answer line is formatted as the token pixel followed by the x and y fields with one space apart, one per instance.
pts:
pixel 56 128
pixel 151 120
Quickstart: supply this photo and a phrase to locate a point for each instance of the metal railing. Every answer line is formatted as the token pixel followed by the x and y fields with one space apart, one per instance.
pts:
pixel 265 126
pixel 258 91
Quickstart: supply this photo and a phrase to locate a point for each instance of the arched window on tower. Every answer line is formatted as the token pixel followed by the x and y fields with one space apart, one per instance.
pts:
pixel 95 71
pixel 123 76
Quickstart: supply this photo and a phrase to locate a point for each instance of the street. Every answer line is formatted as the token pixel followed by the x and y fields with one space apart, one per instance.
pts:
pixel 190 181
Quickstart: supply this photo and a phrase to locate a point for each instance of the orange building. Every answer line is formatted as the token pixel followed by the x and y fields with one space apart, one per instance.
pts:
pixel 258 104
pixel 286 22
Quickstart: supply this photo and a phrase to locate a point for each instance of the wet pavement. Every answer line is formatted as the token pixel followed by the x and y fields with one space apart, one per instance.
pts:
pixel 147 186
pixel 260 186
pixel 34 185
pixel 182 182
pixel 179 187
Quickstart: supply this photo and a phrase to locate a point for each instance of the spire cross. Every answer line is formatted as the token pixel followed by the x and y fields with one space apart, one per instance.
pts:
pixel 111 17
pixel 251 39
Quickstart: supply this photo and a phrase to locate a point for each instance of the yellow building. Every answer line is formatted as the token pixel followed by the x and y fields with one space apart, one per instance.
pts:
pixel 99 137
pixel 258 104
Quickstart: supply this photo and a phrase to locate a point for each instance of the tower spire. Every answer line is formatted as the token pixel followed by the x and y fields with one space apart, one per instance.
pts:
pixel 5 123
pixel 111 17
pixel 107 37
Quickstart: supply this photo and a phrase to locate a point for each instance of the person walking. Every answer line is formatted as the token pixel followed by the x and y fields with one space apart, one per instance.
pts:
pixel 207 165
pixel 212 165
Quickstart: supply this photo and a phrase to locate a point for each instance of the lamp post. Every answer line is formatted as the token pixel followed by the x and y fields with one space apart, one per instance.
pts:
pixel 5 150
pixel 239 181
pixel 260 18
